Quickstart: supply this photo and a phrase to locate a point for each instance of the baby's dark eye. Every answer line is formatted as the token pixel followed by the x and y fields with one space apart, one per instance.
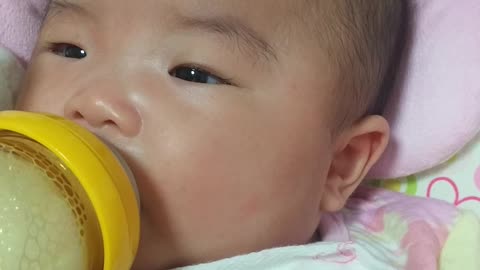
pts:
pixel 196 75
pixel 68 50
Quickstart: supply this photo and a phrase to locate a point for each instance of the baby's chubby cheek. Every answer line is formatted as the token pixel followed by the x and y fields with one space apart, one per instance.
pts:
pixel 205 176
pixel 228 182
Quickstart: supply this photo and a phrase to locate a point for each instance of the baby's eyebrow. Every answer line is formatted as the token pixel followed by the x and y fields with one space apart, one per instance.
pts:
pixel 243 35
pixel 57 6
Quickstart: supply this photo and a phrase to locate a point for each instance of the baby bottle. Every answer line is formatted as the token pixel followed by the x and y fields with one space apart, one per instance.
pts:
pixel 67 200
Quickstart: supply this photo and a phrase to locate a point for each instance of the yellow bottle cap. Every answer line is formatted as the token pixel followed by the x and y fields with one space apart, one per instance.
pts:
pixel 101 175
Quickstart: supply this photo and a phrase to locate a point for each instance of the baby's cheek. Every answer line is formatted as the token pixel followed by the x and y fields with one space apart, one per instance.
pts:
pixel 251 208
pixel 42 91
pixel 218 200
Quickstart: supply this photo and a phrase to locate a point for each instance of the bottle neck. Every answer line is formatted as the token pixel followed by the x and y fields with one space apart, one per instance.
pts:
pixel 126 168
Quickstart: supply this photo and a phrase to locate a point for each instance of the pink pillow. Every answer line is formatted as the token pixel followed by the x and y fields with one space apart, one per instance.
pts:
pixel 435 109
pixel 19 24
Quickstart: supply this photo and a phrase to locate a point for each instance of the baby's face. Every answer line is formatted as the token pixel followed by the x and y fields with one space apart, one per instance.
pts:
pixel 220 107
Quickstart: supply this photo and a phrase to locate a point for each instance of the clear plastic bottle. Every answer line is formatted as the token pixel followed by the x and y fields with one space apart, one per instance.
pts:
pixel 67 200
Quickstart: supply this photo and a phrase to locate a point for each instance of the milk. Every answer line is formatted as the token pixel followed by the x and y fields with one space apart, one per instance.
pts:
pixel 37 227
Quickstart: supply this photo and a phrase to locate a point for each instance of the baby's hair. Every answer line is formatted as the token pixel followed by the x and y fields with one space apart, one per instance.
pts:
pixel 364 40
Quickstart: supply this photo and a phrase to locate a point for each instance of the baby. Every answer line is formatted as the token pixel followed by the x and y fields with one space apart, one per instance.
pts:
pixel 248 124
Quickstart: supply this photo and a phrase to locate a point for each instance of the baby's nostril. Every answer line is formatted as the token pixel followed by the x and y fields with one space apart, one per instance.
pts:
pixel 77 116
pixel 109 123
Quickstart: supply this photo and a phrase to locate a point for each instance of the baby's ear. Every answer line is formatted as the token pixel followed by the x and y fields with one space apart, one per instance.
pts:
pixel 356 151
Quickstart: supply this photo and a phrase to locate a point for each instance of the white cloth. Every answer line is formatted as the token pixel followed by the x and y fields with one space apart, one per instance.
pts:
pixel 321 255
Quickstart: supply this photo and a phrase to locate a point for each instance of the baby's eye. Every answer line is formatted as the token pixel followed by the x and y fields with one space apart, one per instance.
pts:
pixel 68 50
pixel 196 75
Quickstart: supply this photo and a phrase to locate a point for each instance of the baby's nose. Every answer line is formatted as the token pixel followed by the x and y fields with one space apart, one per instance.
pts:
pixel 98 109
